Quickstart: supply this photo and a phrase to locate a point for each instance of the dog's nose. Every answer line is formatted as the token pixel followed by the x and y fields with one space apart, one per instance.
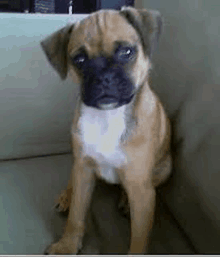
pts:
pixel 107 79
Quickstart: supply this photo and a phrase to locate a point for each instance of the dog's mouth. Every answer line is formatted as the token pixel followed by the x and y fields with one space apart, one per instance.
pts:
pixel 107 102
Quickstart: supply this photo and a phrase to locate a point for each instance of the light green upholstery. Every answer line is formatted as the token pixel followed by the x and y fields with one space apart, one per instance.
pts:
pixel 35 105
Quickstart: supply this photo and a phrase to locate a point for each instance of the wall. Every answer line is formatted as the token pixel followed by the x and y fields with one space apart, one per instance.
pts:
pixel 44 6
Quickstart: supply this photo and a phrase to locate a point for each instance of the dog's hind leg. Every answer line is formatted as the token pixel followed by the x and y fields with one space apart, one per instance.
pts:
pixel 62 203
pixel 123 204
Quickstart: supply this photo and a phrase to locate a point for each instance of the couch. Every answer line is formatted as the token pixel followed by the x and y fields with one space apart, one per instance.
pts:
pixel 36 109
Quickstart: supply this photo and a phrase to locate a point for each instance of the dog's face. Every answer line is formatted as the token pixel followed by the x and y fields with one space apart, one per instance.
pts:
pixel 110 52
pixel 106 59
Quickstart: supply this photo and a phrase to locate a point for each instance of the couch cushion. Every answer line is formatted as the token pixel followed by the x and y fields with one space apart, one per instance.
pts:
pixel 36 107
pixel 29 223
pixel 193 193
pixel 187 79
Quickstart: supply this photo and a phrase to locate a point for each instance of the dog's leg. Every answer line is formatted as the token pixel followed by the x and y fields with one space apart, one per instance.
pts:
pixel 82 185
pixel 123 204
pixel 142 204
pixel 162 171
pixel 64 199
pixel 142 197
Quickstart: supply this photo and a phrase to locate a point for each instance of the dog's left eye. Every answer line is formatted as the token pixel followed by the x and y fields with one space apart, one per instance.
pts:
pixel 125 53
pixel 79 59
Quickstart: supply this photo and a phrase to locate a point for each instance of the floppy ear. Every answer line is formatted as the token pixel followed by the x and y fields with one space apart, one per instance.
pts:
pixel 55 48
pixel 148 24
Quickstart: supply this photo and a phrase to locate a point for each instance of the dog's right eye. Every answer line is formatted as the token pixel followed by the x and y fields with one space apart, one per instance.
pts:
pixel 79 59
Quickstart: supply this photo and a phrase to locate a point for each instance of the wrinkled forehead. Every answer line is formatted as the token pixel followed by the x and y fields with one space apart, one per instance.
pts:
pixel 100 32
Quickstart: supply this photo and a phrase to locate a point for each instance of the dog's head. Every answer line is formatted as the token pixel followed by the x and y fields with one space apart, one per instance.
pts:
pixel 110 51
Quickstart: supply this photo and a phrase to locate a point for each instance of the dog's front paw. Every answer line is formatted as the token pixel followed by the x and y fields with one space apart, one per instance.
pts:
pixel 65 246
pixel 63 201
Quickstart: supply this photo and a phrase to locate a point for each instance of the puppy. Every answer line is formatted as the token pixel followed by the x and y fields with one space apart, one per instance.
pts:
pixel 120 131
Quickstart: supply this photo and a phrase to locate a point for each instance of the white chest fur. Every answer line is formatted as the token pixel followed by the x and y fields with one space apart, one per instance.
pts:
pixel 101 131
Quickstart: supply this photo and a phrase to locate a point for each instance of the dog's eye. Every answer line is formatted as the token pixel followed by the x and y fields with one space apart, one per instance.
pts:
pixel 125 53
pixel 79 59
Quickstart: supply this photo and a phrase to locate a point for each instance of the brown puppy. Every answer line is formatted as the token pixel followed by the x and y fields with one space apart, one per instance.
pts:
pixel 120 131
